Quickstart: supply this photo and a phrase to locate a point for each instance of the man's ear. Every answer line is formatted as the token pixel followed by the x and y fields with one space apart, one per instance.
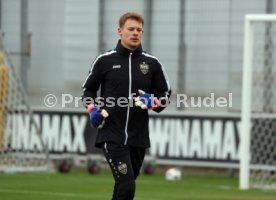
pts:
pixel 120 31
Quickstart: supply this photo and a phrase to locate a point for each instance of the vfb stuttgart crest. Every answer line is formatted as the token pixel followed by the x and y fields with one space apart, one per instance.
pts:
pixel 144 68
pixel 122 168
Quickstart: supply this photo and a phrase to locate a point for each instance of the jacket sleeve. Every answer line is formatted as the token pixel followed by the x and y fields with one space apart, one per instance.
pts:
pixel 160 86
pixel 92 83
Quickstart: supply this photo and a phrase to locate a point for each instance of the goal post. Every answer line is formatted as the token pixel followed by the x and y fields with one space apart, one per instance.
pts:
pixel 258 114
pixel 14 108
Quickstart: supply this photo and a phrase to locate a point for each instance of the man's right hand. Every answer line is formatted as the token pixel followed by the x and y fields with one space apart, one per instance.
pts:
pixel 97 116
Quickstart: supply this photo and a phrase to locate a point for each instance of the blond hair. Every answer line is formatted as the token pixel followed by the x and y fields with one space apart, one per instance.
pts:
pixel 130 15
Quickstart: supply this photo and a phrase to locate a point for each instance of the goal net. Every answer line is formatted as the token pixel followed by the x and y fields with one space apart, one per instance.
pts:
pixel 20 150
pixel 258 127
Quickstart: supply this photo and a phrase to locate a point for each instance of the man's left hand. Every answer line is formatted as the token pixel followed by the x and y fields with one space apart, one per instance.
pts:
pixel 146 100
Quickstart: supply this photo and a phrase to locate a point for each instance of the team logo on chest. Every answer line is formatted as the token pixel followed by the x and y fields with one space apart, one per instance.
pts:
pixel 122 167
pixel 144 68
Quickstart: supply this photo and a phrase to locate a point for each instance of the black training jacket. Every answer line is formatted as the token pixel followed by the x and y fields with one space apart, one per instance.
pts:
pixel 121 73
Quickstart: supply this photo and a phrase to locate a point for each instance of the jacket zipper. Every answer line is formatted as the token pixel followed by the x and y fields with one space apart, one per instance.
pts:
pixel 129 96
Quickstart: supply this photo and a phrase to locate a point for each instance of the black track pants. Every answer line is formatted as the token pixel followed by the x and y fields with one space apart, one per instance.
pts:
pixel 125 163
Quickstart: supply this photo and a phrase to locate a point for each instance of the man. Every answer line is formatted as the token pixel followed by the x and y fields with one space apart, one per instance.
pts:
pixel 125 74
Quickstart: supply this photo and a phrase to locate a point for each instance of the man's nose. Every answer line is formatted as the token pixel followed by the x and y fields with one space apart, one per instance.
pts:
pixel 136 32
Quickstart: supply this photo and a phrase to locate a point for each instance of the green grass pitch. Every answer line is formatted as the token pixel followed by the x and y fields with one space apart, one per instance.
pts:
pixel 79 185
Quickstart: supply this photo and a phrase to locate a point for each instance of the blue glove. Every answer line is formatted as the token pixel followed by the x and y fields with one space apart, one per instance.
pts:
pixel 146 101
pixel 97 116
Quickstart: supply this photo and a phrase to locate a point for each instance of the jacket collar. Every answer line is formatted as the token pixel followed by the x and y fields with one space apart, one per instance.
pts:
pixel 122 50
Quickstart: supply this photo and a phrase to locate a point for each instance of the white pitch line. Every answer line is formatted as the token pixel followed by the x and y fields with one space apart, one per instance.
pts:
pixel 61 194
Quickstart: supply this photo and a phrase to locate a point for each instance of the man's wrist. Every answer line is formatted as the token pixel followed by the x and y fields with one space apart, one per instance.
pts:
pixel 156 103
pixel 90 107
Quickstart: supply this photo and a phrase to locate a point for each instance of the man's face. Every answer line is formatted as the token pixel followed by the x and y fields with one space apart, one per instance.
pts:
pixel 131 34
